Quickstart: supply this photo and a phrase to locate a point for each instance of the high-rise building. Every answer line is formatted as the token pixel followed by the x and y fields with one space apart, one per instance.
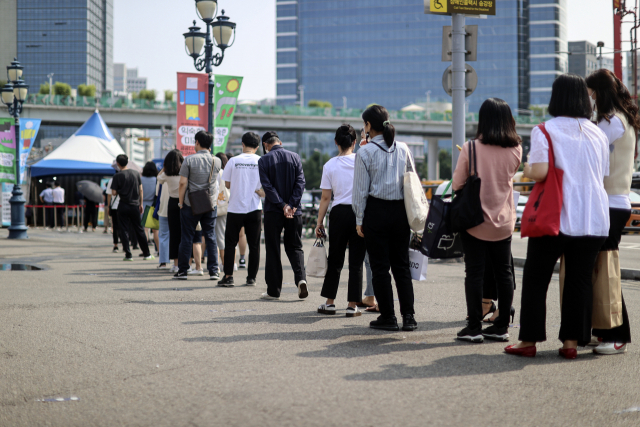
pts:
pixel 73 39
pixel 8 34
pixel 358 52
pixel 134 82
pixel 119 77
pixel 584 58
pixel 548 46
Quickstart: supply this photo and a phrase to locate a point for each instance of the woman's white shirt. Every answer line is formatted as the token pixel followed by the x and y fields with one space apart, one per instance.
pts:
pixel 337 176
pixel 581 150
pixel 614 131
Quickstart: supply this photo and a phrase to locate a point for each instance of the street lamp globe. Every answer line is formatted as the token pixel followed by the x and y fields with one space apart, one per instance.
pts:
pixel 14 71
pixel 207 9
pixel 7 94
pixel 20 90
pixel 223 30
pixel 194 41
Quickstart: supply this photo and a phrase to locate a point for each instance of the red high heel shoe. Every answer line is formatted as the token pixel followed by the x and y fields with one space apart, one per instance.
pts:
pixel 524 351
pixel 568 353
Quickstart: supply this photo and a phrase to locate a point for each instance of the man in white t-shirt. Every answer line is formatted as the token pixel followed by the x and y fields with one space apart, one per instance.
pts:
pixel 242 178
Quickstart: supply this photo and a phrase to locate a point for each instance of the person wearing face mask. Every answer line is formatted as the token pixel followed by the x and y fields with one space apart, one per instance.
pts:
pixel 616 115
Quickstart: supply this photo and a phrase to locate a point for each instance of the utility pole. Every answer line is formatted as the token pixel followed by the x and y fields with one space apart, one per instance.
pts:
pixel 301 89
pixel 458 86
pixel 50 88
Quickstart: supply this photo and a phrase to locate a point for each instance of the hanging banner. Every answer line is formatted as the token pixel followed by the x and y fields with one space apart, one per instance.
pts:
pixel 193 106
pixel 227 89
pixel 28 132
pixel 7 150
pixel 468 7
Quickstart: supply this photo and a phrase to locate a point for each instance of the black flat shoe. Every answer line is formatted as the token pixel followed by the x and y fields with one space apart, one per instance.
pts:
pixel 409 322
pixel 385 323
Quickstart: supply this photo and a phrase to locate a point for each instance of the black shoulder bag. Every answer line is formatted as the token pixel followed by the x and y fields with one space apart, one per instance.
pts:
pixel 466 209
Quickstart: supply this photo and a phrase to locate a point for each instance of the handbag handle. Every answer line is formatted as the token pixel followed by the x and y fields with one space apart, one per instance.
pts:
pixel 543 129
pixel 213 163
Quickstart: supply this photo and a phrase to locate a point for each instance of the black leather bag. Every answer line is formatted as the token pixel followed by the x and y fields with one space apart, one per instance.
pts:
pixel 466 209
pixel 200 200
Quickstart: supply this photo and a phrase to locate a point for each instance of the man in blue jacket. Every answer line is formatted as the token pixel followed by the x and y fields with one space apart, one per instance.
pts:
pixel 283 182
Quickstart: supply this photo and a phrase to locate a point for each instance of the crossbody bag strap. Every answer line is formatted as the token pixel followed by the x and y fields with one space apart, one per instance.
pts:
pixel 213 164
pixel 388 152
pixel 543 129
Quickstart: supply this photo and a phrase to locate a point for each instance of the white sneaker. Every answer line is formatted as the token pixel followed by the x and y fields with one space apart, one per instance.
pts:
pixel 611 348
pixel 269 297
pixel 235 267
pixel 353 312
pixel 174 269
pixel 193 272
pixel 303 292
pixel 327 309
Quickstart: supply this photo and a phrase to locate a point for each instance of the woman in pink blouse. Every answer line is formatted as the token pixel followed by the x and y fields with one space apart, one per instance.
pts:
pixel 498 154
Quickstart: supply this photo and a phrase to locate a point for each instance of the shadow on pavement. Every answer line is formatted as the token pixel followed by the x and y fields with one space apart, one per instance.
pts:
pixel 465 365
pixel 373 347
pixel 219 302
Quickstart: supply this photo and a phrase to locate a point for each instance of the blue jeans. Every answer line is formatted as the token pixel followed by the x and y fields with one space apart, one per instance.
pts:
pixel 369 291
pixel 163 236
pixel 188 223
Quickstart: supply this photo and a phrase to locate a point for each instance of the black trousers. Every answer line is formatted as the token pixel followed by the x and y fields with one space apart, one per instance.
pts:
pixel 90 215
pixel 49 215
pixel 577 301
pixel 114 225
pixel 129 222
pixel 387 234
pixel 476 252
pixel 274 223
pixel 175 228
pixel 618 220
pixel 490 287
pixel 342 232
pixel 59 208
pixel 252 223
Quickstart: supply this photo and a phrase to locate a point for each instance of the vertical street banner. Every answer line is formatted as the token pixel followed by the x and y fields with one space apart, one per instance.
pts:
pixel 7 150
pixel 28 132
pixel 193 107
pixel 227 89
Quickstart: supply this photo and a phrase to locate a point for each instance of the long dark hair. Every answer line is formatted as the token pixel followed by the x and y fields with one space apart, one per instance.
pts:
pixel 345 135
pixel 150 169
pixel 570 98
pixel 378 117
pixel 173 163
pixel 223 158
pixel 496 125
pixel 612 96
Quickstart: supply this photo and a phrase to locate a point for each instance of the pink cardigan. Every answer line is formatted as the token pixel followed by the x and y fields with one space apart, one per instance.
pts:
pixel 496 168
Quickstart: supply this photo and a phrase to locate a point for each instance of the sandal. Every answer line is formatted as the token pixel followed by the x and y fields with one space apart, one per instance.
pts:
pixel 327 309
pixel 374 309
pixel 363 305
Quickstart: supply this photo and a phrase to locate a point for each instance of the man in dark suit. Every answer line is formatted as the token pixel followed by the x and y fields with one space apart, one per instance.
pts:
pixel 283 182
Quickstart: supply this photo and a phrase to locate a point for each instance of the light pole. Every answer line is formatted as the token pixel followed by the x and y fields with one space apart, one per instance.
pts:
pixel 14 94
pixel 222 30
pixel 50 76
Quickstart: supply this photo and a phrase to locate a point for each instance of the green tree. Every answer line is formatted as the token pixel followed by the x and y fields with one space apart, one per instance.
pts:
pixel 319 104
pixel 444 157
pixel 2 83
pixel 168 95
pixel 538 110
pixel 149 94
pixel 44 89
pixel 63 89
pixel 423 170
pixel 312 168
pixel 86 90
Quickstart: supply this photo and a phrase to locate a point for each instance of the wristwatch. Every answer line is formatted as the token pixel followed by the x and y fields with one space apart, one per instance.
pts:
pixel 180 205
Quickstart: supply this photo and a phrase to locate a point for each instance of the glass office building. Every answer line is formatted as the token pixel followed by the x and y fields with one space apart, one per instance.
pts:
pixel 358 52
pixel 73 39
pixel 548 45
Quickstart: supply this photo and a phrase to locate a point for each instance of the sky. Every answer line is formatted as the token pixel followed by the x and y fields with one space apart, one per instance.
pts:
pixel 151 39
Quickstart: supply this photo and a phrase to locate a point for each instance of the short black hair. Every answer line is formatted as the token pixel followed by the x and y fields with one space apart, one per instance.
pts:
pixel 570 98
pixel 205 139
pixel 270 137
pixel 150 169
pixel 496 125
pixel 122 160
pixel 251 140
pixel 56 184
pixel 345 136
pixel 173 162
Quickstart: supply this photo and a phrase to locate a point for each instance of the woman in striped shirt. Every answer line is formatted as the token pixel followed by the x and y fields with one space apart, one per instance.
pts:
pixel 378 202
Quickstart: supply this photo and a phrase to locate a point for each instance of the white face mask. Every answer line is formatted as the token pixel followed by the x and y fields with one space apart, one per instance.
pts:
pixel 593 104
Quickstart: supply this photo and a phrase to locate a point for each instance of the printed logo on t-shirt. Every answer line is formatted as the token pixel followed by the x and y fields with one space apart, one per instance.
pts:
pixel 246 166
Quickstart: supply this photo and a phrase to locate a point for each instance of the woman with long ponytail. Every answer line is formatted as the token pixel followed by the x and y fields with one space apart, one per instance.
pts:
pixel 337 180
pixel 617 116
pixel 381 218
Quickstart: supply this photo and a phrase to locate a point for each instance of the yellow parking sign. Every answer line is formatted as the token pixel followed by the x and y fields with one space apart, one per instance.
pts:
pixel 439 6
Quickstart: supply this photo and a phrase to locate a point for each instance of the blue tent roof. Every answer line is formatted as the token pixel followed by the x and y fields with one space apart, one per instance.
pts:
pixel 95 126
pixel 66 167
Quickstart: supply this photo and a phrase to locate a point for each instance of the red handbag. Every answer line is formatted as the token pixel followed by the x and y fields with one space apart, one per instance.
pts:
pixel 541 216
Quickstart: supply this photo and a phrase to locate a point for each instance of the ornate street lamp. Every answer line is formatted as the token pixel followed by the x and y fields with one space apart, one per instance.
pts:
pixel 223 31
pixel 14 93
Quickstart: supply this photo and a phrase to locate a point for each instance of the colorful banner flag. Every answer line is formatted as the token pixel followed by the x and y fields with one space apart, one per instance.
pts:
pixel 227 89
pixel 7 150
pixel 193 107
pixel 28 132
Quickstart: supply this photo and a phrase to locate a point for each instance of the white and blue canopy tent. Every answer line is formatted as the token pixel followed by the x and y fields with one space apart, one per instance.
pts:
pixel 90 151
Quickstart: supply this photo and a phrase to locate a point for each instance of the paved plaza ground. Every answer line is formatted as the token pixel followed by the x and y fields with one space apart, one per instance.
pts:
pixel 140 349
